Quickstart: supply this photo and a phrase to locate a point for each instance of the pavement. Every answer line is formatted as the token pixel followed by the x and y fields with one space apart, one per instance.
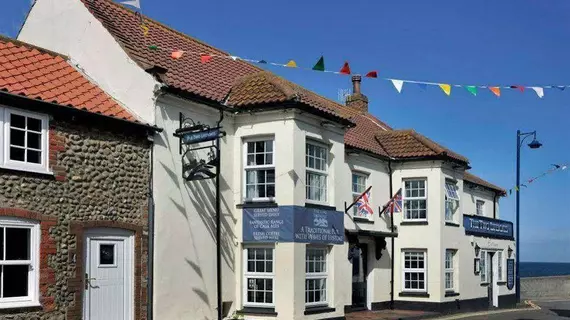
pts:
pixel 536 310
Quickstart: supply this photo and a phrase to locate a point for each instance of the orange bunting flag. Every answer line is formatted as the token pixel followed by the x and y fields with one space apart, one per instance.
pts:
pixel 372 74
pixel 291 64
pixel 446 88
pixel 205 58
pixel 177 54
pixel 345 69
pixel 496 91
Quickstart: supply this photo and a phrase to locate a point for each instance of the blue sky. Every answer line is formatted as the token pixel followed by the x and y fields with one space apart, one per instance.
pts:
pixel 484 42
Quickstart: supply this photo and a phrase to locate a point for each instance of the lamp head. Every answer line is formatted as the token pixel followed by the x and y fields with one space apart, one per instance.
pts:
pixel 534 144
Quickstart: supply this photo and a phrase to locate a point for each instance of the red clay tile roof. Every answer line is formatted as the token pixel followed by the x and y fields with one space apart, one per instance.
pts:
pixel 43 75
pixel 265 87
pixel 402 144
pixel 362 136
pixel 469 177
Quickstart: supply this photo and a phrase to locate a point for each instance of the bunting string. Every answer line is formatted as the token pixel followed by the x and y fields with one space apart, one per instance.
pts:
pixel 319 66
pixel 555 168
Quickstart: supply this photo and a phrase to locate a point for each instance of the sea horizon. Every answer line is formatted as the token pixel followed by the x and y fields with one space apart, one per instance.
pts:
pixel 544 269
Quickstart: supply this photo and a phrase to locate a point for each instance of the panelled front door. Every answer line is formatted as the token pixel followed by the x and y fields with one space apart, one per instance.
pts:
pixel 108 281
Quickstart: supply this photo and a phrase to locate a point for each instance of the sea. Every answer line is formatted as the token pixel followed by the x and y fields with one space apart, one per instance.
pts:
pixel 544 269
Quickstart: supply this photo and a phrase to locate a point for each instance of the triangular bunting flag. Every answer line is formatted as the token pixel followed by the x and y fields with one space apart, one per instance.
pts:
pixel 291 64
pixel 521 88
pixel 398 84
pixel 177 54
pixel 496 91
pixel 133 3
pixel 205 58
pixel 153 47
pixel 510 191
pixel 262 61
pixel 144 29
pixel 422 86
pixel 516 188
pixel 320 65
pixel 372 74
pixel 539 91
pixel 234 58
pixel 472 89
pixel 564 167
pixel 561 88
pixel 345 69
pixel 446 88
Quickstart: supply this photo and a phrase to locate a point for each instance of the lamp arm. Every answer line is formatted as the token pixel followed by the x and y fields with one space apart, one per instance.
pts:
pixel 526 135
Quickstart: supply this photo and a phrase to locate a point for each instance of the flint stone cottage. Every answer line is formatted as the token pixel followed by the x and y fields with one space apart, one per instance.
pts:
pixel 74 185
pixel 291 160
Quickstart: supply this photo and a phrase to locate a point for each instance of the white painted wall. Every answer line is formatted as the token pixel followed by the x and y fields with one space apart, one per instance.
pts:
pixel 67 27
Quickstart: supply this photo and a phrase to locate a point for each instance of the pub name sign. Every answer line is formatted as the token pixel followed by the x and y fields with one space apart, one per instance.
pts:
pixel 487 227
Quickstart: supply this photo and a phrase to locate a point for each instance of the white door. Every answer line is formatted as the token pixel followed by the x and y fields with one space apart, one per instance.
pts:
pixel 108 275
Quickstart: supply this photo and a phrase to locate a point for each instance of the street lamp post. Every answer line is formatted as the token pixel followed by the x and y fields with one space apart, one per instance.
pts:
pixel 534 144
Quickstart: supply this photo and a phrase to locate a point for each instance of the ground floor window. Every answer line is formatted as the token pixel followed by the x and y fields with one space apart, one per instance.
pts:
pixel 259 276
pixel 316 276
pixel 19 246
pixel 449 269
pixel 483 267
pixel 500 265
pixel 414 270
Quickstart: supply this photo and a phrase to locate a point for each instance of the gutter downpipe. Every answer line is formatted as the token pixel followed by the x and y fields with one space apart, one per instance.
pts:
pixel 218 223
pixel 495 205
pixel 393 238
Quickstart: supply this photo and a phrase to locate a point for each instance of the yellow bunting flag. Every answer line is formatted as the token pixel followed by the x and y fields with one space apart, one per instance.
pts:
pixel 446 88
pixel 496 91
pixel 144 29
pixel 291 64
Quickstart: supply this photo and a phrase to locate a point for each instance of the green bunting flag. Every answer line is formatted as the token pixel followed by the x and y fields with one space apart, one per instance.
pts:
pixel 153 47
pixel 320 66
pixel 472 89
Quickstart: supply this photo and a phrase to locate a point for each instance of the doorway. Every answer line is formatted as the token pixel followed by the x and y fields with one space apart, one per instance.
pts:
pixel 359 261
pixel 109 272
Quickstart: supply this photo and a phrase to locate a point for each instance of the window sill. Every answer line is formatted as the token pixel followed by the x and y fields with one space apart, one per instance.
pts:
pixel 318 309
pixel 362 220
pixel 452 224
pixel 267 204
pixel 267 311
pixel 30 170
pixel 484 284
pixel 9 307
pixel 451 294
pixel 319 206
pixel 414 223
pixel 501 283
pixel 414 294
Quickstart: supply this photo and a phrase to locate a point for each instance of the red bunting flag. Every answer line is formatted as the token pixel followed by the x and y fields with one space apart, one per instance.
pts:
pixel 205 58
pixel 345 69
pixel 521 88
pixel 372 74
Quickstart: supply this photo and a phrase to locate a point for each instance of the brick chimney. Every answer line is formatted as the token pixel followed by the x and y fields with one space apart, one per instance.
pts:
pixel 357 100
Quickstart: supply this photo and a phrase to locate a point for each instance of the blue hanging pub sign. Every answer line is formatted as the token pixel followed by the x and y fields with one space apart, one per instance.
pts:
pixel 510 273
pixel 293 224
pixel 487 227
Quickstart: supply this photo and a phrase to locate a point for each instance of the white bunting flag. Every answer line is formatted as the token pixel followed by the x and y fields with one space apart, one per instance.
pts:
pixel 398 84
pixel 134 3
pixel 539 91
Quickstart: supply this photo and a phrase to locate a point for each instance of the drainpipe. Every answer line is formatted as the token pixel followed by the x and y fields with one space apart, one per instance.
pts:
pixel 495 205
pixel 218 222
pixel 393 238
pixel 150 262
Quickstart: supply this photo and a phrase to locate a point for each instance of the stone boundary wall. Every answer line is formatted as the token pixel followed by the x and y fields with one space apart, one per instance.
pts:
pixel 545 287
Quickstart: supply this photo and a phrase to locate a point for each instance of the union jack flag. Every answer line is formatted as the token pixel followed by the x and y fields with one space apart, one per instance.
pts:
pixel 363 203
pixel 394 204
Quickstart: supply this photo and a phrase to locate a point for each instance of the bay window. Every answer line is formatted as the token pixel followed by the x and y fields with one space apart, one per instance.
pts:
pixel 316 276
pixel 316 172
pixel 259 170
pixel 258 276
pixel 415 199
pixel 19 252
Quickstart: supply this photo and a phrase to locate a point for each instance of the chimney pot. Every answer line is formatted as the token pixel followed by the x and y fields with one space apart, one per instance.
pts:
pixel 357 100
pixel 356 79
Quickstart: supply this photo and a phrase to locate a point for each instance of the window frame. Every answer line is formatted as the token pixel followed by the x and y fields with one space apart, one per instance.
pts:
pixel 450 269
pixel 258 275
pixel 451 199
pixel 500 266
pixel 318 275
pixel 246 168
pixel 6 162
pixel 32 299
pixel 318 172
pixel 357 194
pixel 483 266
pixel 414 270
pixel 482 202
pixel 405 198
